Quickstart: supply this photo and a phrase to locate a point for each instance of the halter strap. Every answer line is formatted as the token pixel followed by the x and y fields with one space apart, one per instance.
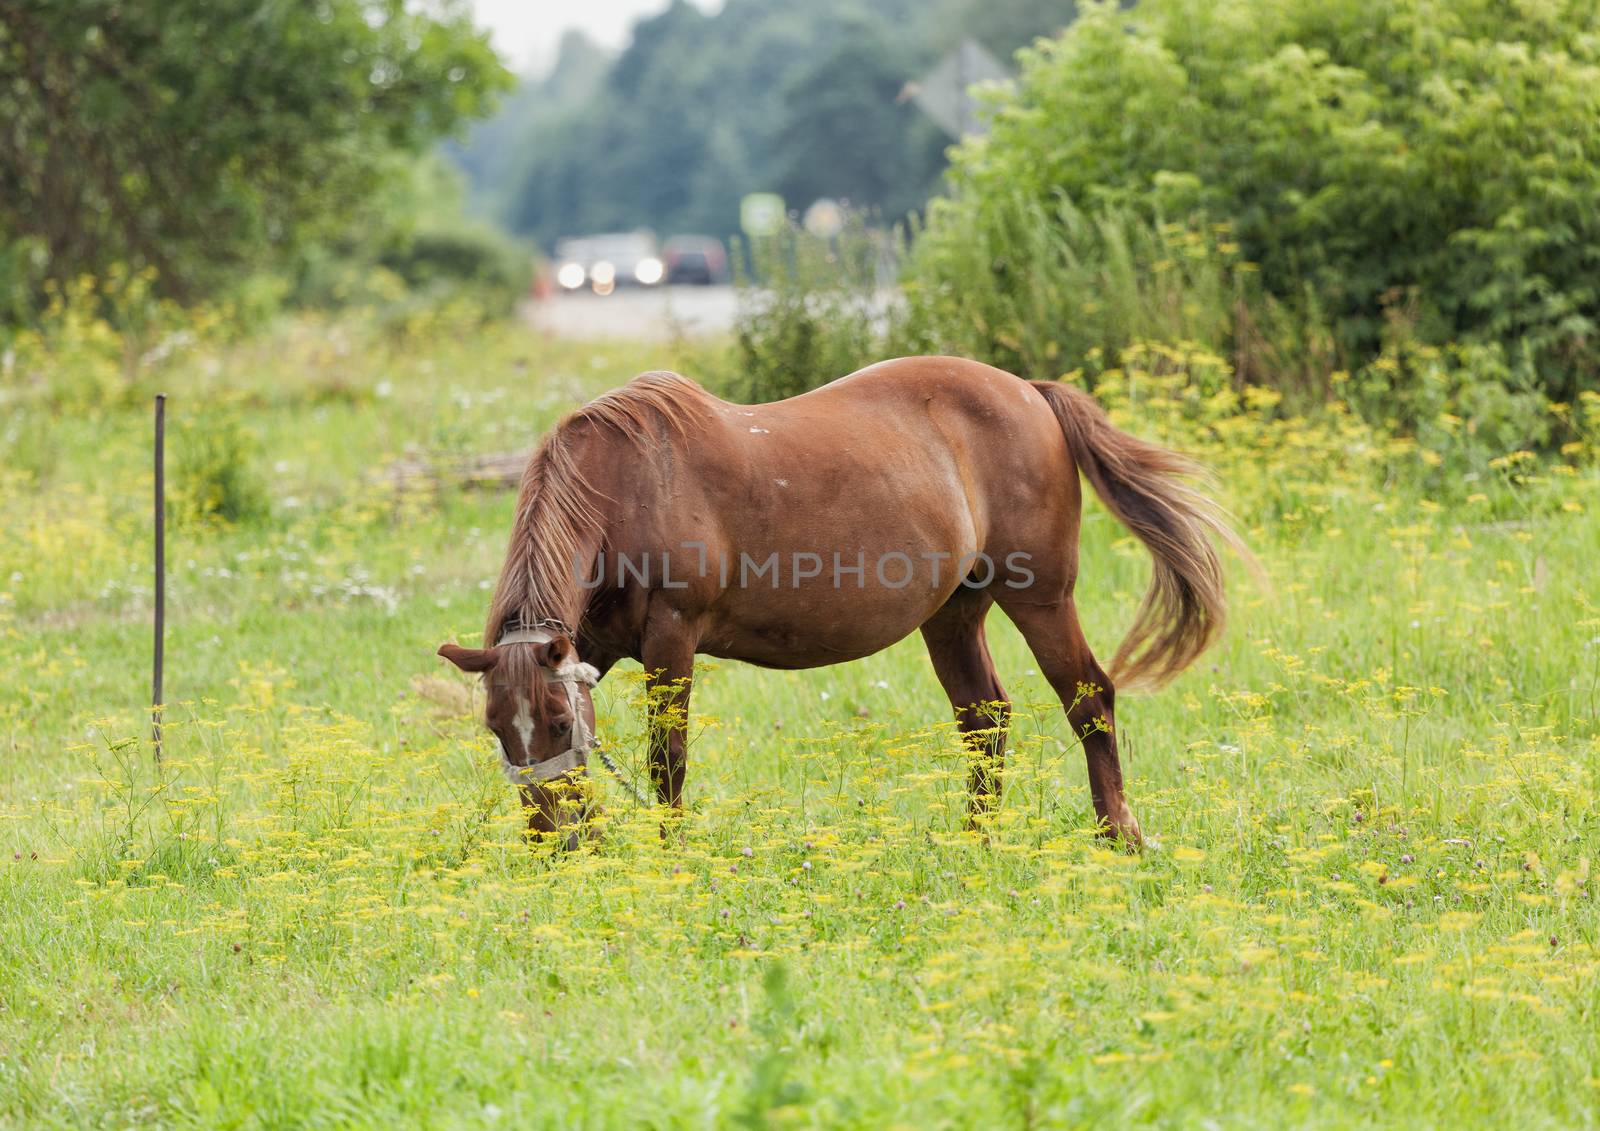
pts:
pixel 515 624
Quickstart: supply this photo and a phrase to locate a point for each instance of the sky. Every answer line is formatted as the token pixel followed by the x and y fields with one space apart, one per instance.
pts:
pixel 526 32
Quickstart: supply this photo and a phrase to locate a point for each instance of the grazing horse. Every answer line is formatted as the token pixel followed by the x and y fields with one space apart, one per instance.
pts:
pixel 659 521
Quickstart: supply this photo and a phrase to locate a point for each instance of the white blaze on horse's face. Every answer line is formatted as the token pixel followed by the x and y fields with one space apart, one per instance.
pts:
pixel 533 724
pixel 522 721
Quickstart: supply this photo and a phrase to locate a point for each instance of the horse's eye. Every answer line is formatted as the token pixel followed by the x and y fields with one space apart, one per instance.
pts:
pixel 560 728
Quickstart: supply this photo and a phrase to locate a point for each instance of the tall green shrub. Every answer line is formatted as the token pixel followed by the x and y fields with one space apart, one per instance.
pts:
pixel 1038 286
pixel 1439 155
pixel 810 309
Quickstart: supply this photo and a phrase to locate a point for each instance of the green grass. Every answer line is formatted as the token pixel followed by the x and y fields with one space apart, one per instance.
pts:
pixel 1375 804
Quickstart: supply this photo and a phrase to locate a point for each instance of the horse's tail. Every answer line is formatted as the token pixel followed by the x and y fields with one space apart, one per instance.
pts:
pixel 1147 487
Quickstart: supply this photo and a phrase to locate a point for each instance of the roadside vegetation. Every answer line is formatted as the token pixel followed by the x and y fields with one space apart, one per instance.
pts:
pixel 1389 206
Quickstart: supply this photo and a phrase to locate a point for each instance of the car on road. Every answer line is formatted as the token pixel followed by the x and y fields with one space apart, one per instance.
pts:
pixel 695 259
pixel 605 262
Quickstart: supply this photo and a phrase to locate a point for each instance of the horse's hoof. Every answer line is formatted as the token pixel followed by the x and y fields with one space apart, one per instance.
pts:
pixel 1126 834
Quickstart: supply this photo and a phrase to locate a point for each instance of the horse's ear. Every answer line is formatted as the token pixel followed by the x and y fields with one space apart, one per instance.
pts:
pixel 556 653
pixel 469 659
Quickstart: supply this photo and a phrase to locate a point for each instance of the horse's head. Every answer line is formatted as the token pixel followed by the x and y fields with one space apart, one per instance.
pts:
pixel 539 706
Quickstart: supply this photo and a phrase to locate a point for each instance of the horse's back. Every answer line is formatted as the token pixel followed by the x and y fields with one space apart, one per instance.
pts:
pixel 953 380
pixel 990 428
pixel 909 449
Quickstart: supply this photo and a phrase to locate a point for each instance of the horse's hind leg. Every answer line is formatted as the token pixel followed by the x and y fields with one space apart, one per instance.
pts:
pixel 1056 639
pixel 961 660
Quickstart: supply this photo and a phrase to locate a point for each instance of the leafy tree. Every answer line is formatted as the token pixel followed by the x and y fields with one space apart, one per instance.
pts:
pixel 199 137
pixel 848 134
pixel 420 233
pixel 1419 166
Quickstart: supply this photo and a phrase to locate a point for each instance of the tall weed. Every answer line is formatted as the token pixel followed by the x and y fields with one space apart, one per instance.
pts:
pixel 810 309
pixel 215 480
pixel 1041 288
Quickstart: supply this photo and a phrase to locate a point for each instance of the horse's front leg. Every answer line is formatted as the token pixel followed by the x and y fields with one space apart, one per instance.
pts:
pixel 668 658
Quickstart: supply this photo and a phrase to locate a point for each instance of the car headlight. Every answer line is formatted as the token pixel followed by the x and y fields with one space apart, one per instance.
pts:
pixel 571 275
pixel 649 271
pixel 603 274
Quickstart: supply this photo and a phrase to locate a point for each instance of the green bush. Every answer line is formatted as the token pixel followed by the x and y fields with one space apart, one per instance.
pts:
pixel 495 267
pixel 810 310
pixel 215 481
pixel 1464 405
pixel 90 343
pixel 1040 286
pixel 1440 151
pixel 414 271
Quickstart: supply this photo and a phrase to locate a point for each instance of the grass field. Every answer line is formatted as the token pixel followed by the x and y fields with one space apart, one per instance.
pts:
pixel 1376 806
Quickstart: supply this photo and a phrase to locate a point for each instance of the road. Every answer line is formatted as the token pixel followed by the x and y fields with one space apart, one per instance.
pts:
pixel 653 314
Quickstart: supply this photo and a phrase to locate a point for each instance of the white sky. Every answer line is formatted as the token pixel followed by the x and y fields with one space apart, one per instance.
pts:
pixel 527 32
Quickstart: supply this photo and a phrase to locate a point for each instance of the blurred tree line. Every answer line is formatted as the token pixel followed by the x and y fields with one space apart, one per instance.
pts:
pixel 807 100
pixel 189 144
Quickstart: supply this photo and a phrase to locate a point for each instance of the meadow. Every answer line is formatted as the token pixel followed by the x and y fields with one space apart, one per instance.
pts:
pixel 1371 899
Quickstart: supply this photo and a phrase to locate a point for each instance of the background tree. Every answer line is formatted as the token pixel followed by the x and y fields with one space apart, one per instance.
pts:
pixel 847 132
pixel 204 137
pixel 493 155
pixel 1003 27
pixel 682 126
pixel 762 95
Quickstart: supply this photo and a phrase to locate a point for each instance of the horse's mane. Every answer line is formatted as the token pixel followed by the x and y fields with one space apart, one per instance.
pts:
pixel 558 510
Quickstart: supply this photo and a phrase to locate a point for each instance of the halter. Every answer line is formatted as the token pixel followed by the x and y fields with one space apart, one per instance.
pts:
pixel 570 675
pixel 542 631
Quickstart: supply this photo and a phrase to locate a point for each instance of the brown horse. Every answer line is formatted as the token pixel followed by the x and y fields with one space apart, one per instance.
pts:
pixel 659 521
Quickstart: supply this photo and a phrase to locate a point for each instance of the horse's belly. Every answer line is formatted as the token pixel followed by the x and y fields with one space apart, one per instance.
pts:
pixel 864 563
pixel 812 625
